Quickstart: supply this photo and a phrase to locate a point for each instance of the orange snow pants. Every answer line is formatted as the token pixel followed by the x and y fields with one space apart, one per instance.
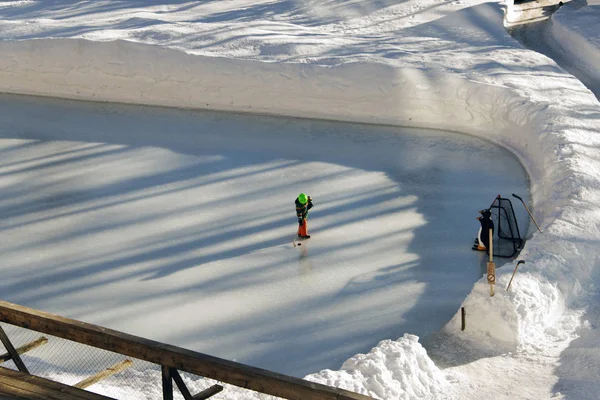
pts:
pixel 303 229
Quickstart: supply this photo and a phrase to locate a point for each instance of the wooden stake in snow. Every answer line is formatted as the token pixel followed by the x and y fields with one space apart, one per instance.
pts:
pixel 514 272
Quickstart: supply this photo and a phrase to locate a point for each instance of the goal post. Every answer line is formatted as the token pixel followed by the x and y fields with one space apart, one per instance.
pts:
pixel 507 237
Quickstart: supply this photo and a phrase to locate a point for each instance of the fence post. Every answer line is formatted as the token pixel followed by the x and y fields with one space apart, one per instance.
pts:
pixel 13 352
pixel 167 383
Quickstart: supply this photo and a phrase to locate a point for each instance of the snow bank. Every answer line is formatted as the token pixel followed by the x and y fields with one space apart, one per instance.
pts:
pixel 551 122
pixel 573 34
pixel 397 369
pixel 121 71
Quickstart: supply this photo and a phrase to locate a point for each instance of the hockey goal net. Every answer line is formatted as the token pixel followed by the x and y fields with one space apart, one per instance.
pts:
pixel 507 238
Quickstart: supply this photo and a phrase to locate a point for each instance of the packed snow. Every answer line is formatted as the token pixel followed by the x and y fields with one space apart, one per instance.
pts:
pixel 424 64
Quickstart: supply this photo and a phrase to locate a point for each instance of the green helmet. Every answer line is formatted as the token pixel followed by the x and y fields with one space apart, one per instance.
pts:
pixel 302 198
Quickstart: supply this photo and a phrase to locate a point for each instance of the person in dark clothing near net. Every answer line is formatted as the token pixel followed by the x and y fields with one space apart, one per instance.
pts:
pixel 303 204
pixel 482 242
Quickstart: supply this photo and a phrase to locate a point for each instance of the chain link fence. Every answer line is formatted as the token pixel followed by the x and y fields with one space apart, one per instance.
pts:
pixel 127 378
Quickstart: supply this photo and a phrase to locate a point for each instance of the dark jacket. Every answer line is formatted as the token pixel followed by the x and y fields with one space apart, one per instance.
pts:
pixel 302 209
pixel 486 224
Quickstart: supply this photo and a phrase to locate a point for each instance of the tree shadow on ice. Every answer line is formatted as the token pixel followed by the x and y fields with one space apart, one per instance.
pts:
pixel 160 247
pixel 302 341
pixel 395 214
pixel 54 197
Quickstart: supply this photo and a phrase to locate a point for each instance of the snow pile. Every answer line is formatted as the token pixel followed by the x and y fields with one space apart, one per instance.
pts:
pixel 491 320
pixel 572 29
pixel 397 369
pixel 121 71
pixel 519 320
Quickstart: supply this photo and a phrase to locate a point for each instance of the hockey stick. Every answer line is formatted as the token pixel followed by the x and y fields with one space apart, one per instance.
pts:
pixel 491 266
pixel 514 272
pixel 296 243
pixel 528 212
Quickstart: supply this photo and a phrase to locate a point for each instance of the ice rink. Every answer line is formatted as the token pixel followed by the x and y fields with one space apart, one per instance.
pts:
pixel 177 226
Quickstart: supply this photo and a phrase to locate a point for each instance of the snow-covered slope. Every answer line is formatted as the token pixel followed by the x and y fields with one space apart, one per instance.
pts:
pixel 572 30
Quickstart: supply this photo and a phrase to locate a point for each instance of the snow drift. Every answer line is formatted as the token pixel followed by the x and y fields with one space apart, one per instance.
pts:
pixel 121 71
pixel 568 28
pixel 403 363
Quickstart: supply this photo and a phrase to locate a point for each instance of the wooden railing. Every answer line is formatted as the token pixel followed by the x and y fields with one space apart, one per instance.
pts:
pixel 172 358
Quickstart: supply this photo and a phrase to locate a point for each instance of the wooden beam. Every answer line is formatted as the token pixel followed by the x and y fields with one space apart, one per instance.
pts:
pixel 206 393
pixel 12 351
pixel 181 385
pixel 115 369
pixel 31 387
pixel 24 349
pixel 200 364
pixel 203 395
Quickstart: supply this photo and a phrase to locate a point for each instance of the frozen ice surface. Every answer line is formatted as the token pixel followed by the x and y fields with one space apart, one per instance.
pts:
pixel 177 226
